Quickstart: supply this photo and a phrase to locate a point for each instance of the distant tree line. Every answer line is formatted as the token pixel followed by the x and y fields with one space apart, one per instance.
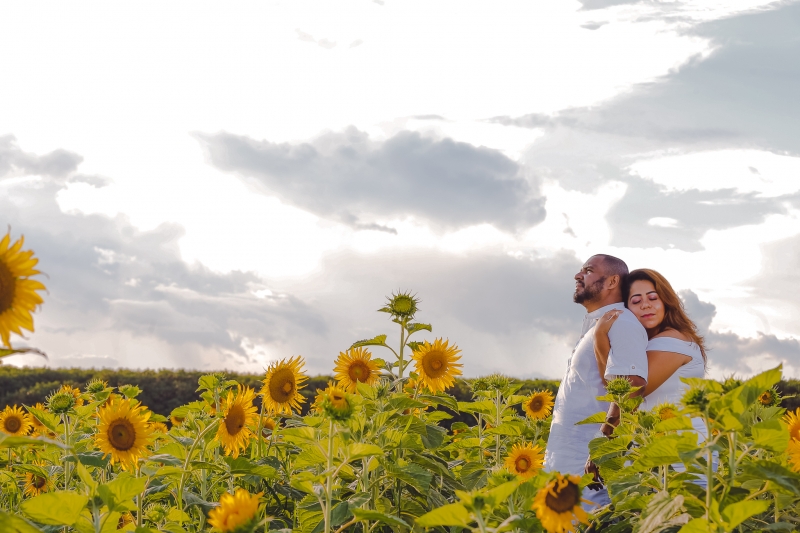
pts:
pixel 164 390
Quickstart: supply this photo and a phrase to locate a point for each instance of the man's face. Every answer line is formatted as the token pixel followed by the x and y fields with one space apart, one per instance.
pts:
pixel 589 281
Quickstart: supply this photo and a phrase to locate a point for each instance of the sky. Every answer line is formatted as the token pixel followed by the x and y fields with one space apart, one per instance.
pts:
pixel 220 186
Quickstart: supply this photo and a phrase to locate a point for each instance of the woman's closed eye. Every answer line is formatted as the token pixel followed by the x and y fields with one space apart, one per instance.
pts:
pixel 636 300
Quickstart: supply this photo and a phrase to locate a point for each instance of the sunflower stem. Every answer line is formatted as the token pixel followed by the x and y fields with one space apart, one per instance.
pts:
pixel 709 468
pixel 402 345
pixel 138 502
pixel 65 421
pixel 182 480
pixel 329 479
pixel 498 398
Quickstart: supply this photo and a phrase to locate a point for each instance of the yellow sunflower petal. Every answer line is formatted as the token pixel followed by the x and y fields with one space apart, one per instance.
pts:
pixel 123 432
pixel 238 413
pixel 234 510
pixel 355 366
pixel 282 383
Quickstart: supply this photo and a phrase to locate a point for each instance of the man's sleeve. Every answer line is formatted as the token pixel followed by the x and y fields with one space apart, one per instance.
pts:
pixel 628 355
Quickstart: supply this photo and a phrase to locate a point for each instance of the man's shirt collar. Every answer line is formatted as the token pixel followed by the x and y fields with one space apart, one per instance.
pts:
pixel 597 313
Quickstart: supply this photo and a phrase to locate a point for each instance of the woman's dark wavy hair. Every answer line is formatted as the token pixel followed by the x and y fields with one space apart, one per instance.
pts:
pixel 675 316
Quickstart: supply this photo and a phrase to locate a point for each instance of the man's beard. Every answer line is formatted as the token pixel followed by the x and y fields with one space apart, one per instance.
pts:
pixel 589 293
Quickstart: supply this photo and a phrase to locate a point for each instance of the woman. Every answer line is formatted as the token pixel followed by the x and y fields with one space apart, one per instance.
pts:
pixel 675 349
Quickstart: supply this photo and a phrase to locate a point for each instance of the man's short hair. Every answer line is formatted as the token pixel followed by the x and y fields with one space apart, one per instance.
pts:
pixel 614 266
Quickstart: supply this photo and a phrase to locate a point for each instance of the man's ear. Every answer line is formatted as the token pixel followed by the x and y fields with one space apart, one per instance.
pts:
pixel 613 282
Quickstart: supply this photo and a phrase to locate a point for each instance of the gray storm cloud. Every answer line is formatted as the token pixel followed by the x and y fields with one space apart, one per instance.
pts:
pixel 350 178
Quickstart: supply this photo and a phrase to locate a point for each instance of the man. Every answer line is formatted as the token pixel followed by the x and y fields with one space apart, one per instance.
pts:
pixel 598 287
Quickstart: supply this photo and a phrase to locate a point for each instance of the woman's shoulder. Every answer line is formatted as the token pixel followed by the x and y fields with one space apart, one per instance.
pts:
pixel 671 333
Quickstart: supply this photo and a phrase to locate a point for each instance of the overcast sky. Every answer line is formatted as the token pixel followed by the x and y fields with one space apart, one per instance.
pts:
pixel 217 186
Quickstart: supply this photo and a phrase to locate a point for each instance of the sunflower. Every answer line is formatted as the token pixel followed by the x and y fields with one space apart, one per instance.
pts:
pixel 96 385
pixel 125 519
pixel 793 420
pixel 558 504
pixel 402 305
pixel 17 292
pixel 35 484
pixel 238 412
pixel 76 393
pixel 793 451
pixel 436 364
pixel 14 421
pixel 159 427
pixel 665 411
pixel 355 366
pixel 335 402
pixel 235 511
pixel 281 385
pixel 268 424
pixel 538 405
pixel 769 398
pixel 524 461
pixel 123 432
pixel 176 421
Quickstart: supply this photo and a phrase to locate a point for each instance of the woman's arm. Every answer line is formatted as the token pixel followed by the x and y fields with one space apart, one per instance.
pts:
pixel 661 365
pixel 601 343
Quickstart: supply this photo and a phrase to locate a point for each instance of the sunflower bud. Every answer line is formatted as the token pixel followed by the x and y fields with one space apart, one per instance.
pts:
pixel 336 403
pixel 156 512
pixel 479 384
pixel 618 386
pixel 96 385
pixel 769 398
pixel 696 399
pixel 665 411
pixel 497 382
pixel 60 402
pixel 731 383
pixel 402 305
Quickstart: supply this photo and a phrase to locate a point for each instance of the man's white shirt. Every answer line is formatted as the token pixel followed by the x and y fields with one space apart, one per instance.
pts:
pixel 568 444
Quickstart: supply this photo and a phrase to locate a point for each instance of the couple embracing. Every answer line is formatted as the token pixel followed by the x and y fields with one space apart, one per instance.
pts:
pixel 636 328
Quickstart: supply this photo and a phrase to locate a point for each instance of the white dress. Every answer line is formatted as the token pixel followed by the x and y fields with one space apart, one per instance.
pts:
pixel 673 389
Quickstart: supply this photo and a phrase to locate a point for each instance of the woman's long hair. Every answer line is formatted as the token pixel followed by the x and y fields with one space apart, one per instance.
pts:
pixel 675 316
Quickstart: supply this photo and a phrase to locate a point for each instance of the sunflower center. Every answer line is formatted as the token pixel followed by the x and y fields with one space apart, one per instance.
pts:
pixel 234 421
pixel 39 482
pixel 282 385
pixel 563 499
pixel 12 424
pixel 536 405
pixel 522 464
pixel 121 434
pixel 7 288
pixel 434 364
pixel 358 372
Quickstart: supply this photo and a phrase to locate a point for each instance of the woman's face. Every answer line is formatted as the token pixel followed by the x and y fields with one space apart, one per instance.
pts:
pixel 645 304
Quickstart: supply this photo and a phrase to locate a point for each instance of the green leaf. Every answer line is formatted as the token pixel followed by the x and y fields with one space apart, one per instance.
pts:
pixel 404 402
pixel 768 471
pixel 367 391
pixel 674 424
pixel 597 418
pixel 500 494
pixel 359 450
pixel 454 514
pixel 5 352
pixel 485 407
pixel 665 450
pixel 433 436
pixel 55 508
pixel 304 482
pixel 441 399
pixel 129 391
pixel 378 340
pixel 49 420
pixel 473 475
pixel 15 524
pixel 413 328
pixel 738 512
pixel 7 441
pixel 660 511
pixel 299 435
pixel 96 459
pixel 119 492
pixel 771 435
pixel 413 474
pixel 377 516
pixel 177 515
pixel 696 525
pixel 509 429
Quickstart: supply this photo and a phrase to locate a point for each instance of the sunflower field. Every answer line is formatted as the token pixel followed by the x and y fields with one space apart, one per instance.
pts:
pixel 373 455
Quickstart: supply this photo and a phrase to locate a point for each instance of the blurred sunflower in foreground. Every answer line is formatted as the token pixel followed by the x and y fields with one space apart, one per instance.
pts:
pixel 282 383
pixel 355 366
pixel 236 512
pixel 558 504
pixel 436 364
pixel 18 297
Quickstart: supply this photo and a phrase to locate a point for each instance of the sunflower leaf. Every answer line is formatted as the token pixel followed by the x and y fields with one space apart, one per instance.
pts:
pixel 413 328
pixel 454 514
pixel 378 340
pixel 377 516
pixel 7 441
pixel 597 418
pixel 55 508
pixel 5 352
pixel 49 420
pixel 16 524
